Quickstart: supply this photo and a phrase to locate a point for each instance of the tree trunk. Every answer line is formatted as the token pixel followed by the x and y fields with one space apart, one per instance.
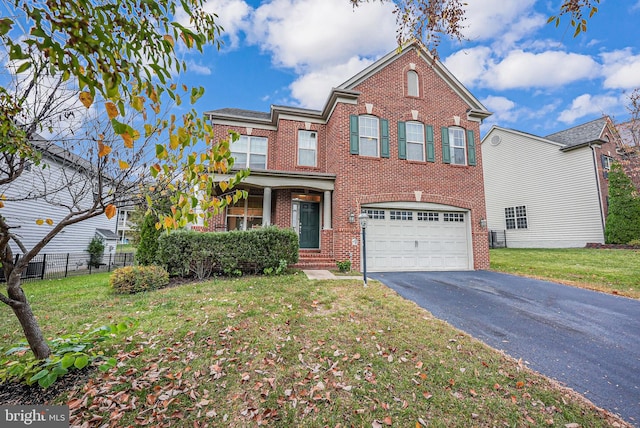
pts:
pixel 27 319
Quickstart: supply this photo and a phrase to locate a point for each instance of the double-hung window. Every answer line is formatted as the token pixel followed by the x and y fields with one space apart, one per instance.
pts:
pixel 415 141
pixel 457 146
pixel 369 131
pixel 413 88
pixel 516 217
pixel 307 148
pixel 250 152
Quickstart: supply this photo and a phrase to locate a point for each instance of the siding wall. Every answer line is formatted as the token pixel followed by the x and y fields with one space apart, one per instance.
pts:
pixel 23 213
pixel 558 188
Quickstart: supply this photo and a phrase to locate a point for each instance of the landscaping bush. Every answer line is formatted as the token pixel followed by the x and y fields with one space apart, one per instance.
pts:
pixel 134 279
pixel 96 251
pixel 623 219
pixel 148 244
pixel 229 253
pixel 344 266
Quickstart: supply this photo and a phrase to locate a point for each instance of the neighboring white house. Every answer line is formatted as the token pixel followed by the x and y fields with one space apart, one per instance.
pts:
pixel 49 193
pixel 548 192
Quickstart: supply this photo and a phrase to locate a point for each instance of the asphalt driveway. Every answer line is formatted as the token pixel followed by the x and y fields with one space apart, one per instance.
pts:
pixel 588 341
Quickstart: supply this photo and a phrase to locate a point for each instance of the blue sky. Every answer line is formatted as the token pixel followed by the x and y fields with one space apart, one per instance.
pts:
pixel 535 77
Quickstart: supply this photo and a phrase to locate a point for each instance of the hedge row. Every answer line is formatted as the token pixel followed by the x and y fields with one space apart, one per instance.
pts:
pixel 201 255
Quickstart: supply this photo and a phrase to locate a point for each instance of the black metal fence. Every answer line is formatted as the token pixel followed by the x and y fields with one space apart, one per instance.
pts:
pixel 497 239
pixel 54 266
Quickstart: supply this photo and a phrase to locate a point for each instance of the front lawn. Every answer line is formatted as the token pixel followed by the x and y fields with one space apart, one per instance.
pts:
pixel 612 271
pixel 286 351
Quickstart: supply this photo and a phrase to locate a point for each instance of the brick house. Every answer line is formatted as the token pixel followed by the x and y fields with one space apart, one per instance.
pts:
pixel 397 141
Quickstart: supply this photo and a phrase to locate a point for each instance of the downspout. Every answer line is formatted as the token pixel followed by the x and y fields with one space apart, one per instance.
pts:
pixel 595 168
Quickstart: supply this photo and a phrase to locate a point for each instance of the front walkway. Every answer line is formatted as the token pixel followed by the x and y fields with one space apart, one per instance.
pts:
pixel 325 274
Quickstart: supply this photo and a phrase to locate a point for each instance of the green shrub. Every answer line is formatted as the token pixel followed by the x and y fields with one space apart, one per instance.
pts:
pixel 70 352
pixel 635 243
pixel 265 250
pixel 623 218
pixel 134 279
pixel 344 266
pixel 148 245
pixel 96 251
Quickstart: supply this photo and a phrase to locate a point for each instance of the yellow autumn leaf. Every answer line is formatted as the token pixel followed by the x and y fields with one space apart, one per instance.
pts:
pixel 1 204
pixel 81 70
pixel 169 39
pixel 128 141
pixel 168 222
pixel 153 95
pixel 137 103
pixel 103 149
pixel 110 211
pixel 49 222
pixel 112 110
pixel 86 99
pixel 39 222
pixel 123 165
pixel 174 142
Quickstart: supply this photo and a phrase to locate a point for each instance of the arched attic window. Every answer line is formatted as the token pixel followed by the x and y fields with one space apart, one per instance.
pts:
pixel 412 84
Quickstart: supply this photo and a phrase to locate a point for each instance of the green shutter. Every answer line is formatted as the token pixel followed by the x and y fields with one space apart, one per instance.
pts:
pixel 446 153
pixel 431 150
pixel 471 148
pixel 402 140
pixel 354 134
pixel 384 138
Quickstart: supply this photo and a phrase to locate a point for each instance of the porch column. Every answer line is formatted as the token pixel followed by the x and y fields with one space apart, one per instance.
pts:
pixel 266 207
pixel 326 219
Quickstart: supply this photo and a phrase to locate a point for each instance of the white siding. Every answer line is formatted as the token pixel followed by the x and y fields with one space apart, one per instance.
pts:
pixel 559 190
pixel 24 213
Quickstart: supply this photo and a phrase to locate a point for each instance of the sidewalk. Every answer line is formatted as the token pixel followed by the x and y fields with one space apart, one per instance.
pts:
pixel 325 274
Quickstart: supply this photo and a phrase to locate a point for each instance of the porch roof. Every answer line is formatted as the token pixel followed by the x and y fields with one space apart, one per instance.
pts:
pixel 288 179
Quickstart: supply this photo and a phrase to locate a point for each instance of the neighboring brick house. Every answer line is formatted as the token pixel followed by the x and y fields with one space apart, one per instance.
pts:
pixel 396 141
pixel 552 191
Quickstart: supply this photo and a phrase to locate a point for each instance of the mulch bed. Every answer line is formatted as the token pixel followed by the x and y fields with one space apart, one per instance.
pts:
pixel 21 394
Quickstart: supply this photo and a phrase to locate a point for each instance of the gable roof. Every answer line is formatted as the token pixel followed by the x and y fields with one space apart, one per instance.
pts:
pixel 587 133
pixel 346 93
pixel 476 109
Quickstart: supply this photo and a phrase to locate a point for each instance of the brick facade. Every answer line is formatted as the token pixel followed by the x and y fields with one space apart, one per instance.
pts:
pixel 357 180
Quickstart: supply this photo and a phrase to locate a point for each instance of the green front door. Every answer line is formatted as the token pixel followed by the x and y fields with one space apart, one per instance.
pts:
pixel 309 225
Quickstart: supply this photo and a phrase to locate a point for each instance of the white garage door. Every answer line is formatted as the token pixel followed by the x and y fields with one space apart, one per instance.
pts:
pixel 399 240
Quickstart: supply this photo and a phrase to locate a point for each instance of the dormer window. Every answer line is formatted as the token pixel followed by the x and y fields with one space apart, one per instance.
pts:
pixel 412 84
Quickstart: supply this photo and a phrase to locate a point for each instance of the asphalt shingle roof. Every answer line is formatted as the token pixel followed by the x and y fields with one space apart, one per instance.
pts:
pixel 581 134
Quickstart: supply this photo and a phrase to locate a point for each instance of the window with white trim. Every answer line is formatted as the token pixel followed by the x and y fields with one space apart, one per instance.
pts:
pixel 415 141
pixel 458 146
pixel 453 217
pixel 250 152
pixel 516 217
pixel 307 148
pixel 374 214
pixel 400 215
pixel 413 88
pixel 607 161
pixel 428 216
pixel 245 214
pixel 369 134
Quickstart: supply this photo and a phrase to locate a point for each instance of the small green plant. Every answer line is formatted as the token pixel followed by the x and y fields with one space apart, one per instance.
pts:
pixel 279 270
pixel 69 352
pixel 135 279
pixel 635 243
pixel 96 251
pixel 344 266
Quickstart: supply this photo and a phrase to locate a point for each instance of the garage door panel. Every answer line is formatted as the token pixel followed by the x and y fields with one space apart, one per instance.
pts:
pixel 395 245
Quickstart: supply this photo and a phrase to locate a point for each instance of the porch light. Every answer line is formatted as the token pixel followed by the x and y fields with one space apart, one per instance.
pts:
pixel 352 217
pixel 483 223
pixel 363 224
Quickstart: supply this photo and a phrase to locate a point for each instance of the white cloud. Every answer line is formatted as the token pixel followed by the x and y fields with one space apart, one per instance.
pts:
pixel 469 65
pixel 312 89
pixel 311 34
pixel 503 108
pixel 232 16
pixel 547 69
pixel 621 69
pixel 589 105
pixel 198 69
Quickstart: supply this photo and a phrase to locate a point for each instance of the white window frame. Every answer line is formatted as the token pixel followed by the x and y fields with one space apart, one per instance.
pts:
pixel 374 214
pixel 457 145
pixel 244 204
pixel 453 217
pixel 251 151
pixel 307 143
pixel 369 136
pixel 516 217
pixel 415 138
pixel 608 161
pixel 413 84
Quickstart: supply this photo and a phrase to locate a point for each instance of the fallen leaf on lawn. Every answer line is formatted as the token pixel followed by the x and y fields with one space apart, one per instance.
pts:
pixel 419 364
pixel 355 357
pixel 387 420
pixel 427 395
pixel 519 384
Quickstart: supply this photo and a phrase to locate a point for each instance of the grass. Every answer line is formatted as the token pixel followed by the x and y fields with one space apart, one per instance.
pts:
pixel 611 271
pixel 286 351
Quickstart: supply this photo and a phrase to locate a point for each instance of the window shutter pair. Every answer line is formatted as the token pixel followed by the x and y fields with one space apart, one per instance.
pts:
pixel 402 142
pixel 354 136
pixel 471 147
